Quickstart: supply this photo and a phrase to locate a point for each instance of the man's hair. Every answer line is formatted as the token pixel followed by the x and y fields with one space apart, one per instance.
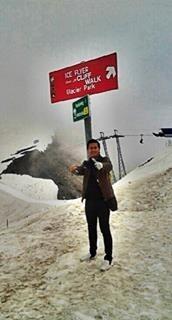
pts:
pixel 93 141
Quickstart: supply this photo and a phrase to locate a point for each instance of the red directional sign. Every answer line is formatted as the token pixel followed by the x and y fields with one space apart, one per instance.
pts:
pixel 88 77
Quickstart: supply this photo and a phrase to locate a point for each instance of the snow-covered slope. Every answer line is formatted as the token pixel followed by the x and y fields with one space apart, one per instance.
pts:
pixel 22 196
pixel 153 166
pixel 33 188
pixel 42 278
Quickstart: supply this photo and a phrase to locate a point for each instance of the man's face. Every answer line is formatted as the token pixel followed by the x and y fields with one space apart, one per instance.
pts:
pixel 93 150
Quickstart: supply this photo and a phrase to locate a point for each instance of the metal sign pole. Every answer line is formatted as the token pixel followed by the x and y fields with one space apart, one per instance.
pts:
pixel 87 125
pixel 81 110
pixel 88 131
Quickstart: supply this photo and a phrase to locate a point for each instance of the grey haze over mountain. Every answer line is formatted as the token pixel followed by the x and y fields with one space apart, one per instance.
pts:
pixel 41 36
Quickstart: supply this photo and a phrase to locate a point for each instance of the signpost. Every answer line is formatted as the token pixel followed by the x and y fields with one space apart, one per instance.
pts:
pixel 88 77
pixel 83 79
pixel 81 110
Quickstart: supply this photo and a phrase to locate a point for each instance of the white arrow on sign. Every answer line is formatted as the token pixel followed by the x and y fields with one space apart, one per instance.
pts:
pixel 110 72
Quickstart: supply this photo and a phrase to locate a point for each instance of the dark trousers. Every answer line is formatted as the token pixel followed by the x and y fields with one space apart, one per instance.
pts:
pixel 98 209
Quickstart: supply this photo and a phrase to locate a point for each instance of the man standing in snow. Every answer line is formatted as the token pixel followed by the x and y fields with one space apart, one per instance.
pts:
pixel 99 195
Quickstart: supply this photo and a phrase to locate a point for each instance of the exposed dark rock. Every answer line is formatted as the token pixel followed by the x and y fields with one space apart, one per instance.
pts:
pixel 52 164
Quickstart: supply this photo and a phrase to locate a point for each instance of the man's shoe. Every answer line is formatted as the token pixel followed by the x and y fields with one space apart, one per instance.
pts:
pixel 87 257
pixel 106 265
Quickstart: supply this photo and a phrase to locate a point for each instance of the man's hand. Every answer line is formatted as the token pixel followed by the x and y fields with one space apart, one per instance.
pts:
pixel 73 168
pixel 98 165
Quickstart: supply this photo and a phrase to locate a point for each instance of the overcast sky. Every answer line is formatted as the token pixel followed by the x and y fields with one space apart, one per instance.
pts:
pixel 44 35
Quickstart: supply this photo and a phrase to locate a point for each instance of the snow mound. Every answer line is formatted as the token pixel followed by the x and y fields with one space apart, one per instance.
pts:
pixel 159 164
pixel 34 188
